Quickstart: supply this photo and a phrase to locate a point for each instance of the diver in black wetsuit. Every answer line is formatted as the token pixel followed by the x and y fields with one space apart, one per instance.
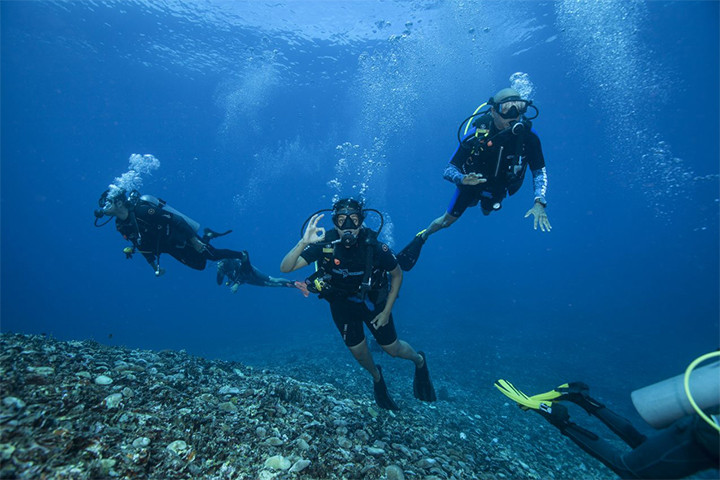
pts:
pixel 154 228
pixel 688 446
pixel 239 272
pixel 352 275
pixel 490 164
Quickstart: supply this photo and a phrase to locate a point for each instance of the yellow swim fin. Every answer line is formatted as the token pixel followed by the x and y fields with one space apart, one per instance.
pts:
pixel 525 402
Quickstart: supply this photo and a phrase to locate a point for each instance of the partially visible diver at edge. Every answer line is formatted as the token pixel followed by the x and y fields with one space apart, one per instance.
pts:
pixel 688 442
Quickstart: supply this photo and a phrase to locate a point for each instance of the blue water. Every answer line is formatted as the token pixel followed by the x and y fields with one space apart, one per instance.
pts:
pixel 261 113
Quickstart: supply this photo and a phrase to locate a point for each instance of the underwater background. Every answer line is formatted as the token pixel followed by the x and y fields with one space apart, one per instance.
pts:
pixel 261 113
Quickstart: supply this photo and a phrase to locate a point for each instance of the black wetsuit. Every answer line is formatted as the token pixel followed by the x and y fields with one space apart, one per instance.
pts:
pixel 344 270
pixel 242 271
pixel 688 446
pixel 154 230
pixel 502 159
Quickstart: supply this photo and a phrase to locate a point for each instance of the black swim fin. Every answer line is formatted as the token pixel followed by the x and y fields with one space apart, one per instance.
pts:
pixel 209 234
pixel 422 385
pixel 408 256
pixel 382 398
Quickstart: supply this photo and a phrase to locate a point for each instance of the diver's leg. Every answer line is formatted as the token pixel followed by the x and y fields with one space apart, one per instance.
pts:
pixel 578 393
pixel 439 223
pixel 348 323
pixel 587 440
pixel 387 338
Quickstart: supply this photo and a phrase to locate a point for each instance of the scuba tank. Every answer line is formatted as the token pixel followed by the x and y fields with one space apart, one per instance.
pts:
pixel 160 203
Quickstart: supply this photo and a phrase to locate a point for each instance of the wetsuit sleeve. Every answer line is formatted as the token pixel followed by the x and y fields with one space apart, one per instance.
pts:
pixel 453 170
pixel 386 259
pixel 312 253
pixel 536 161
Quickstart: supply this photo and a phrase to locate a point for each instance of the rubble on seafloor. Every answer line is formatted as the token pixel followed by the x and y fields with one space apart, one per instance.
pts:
pixel 81 410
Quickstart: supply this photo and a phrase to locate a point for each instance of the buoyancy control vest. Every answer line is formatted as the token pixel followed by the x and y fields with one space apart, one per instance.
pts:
pixel 348 272
pixel 498 157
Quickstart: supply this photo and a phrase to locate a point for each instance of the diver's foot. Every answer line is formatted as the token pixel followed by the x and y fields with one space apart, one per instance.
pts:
pixel 382 398
pixel 579 393
pixel 422 385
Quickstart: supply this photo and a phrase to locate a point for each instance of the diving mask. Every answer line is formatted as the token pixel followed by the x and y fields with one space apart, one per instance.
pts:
pixel 344 221
pixel 512 108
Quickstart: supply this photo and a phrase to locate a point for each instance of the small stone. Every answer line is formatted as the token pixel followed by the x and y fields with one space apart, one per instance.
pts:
pixel 6 451
pixel 178 447
pixel 44 371
pixel 184 411
pixel 228 407
pixel 393 472
pixel 260 432
pixel 239 373
pixel 13 402
pixel 127 392
pixel 274 441
pixel 373 413
pixel 228 390
pixel 375 451
pixel 112 401
pixel 302 444
pixel 141 442
pixel 300 465
pixel 84 375
pixel 343 442
pixel 427 463
pixel 103 380
pixel 278 462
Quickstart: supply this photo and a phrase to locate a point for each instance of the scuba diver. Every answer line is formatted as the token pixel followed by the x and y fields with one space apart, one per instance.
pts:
pixel 153 227
pixel 489 164
pixel 352 275
pixel 688 443
pixel 239 272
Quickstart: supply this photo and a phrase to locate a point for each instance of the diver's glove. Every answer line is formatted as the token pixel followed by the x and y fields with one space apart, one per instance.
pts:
pixel 128 251
pixel 540 217
pixel 159 272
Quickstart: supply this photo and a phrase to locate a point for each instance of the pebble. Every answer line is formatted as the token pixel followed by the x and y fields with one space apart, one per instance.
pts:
pixel 127 392
pixel 274 441
pixel 178 447
pixel 44 371
pixel 300 465
pixel 13 402
pixel 228 390
pixel 278 462
pixel 112 401
pixel 141 442
pixel 261 432
pixel 84 375
pixel 375 451
pixel 393 472
pixel 228 407
pixel 103 380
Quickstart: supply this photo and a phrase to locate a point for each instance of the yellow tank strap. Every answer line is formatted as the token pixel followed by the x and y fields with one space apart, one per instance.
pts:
pixel 467 127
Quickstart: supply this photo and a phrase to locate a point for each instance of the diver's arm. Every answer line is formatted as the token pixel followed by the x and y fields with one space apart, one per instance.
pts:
pixel 382 318
pixel 293 260
pixel 540 185
pixel 396 278
pixel 452 174
pixel 313 234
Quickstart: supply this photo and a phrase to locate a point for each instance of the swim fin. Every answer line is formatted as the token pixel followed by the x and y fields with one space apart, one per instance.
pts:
pixel 382 398
pixel 576 392
pixel 525 402
pixel 209 234
pixel 422 385
pixel 408 256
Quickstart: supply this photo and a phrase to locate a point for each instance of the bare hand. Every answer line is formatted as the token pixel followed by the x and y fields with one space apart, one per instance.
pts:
pixel 541 218
pixel 313 233
pixel 381 320
pixel 473 179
